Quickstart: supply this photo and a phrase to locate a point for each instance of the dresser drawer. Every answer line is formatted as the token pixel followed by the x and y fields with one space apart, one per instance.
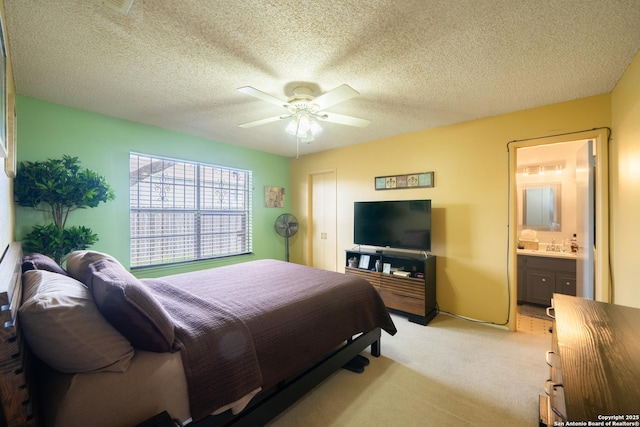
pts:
pixel 403 285
pixel 404 302
pixel 556 410
pixel 555 367
pixel 369 276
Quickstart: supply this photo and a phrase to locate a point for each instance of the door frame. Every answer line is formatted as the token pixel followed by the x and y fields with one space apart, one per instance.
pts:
pixel 602 281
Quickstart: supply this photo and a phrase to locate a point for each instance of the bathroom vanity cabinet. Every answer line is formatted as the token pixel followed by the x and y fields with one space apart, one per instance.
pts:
pixel 539 277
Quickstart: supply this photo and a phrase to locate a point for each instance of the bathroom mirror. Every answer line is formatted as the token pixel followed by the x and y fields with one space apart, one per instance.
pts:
pixel 541 207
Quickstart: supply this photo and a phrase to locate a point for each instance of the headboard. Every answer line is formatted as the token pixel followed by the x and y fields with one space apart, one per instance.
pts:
pixel 16 402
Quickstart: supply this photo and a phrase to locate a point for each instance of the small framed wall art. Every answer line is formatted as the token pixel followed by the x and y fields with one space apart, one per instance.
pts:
pixel 274 197
pixel 409 180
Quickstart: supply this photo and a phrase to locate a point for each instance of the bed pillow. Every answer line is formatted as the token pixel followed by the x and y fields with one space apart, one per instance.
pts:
pixel 64 328
pixel 78 264
pixel 41 262
pixel 130 307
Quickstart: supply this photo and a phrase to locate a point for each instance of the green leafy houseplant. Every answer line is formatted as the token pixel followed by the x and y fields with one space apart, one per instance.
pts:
pixel 58 187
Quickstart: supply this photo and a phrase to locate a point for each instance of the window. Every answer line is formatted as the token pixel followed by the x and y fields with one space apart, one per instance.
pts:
pixel 182 211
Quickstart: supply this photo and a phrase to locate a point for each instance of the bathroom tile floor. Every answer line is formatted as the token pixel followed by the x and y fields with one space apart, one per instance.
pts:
pixel 533 320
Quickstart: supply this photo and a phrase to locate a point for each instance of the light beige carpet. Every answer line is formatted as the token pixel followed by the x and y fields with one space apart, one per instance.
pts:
pixel 450 373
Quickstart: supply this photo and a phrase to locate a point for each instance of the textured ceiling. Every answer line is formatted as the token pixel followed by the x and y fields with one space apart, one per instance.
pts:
pixel 417 64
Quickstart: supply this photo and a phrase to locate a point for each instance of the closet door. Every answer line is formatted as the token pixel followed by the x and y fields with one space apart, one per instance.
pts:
pixel 323 220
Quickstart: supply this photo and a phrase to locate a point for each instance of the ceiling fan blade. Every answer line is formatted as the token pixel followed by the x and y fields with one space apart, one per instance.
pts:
pixel 263 121
pixel 343 120
pixel 340 94
pixel 262 95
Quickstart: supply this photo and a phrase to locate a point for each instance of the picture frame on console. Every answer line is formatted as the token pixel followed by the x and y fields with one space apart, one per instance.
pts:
pixel 386 268
pixel 364 262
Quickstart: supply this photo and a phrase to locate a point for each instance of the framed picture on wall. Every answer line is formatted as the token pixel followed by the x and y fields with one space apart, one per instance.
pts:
pixel 410 180
pixel 274 197
pixel 4 143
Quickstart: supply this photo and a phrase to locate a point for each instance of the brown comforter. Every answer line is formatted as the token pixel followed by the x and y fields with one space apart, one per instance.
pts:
pixel 255 324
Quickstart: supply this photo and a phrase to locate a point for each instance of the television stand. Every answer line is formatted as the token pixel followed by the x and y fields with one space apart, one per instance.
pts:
pixel 409 288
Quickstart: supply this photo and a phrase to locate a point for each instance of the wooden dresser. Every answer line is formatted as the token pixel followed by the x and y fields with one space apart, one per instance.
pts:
pixel 413 294
pixel 594 364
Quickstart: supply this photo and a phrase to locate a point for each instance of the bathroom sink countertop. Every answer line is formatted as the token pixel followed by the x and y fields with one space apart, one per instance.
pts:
pixel 545 253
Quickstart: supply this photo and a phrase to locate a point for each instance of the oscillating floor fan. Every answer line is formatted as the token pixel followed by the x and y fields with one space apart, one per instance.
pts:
pixel 287 226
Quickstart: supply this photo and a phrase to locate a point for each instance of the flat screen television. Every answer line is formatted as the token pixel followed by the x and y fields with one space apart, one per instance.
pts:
pixel 402 224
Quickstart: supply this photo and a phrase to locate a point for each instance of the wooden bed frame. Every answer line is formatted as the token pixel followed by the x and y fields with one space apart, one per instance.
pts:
pixel 16 365
pixel 262 410
pixel 18 388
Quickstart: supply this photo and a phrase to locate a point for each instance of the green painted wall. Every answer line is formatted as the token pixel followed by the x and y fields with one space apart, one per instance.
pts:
pixel 103 143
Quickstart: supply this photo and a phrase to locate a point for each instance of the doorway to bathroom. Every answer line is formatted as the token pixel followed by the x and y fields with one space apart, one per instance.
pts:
pixel 559 209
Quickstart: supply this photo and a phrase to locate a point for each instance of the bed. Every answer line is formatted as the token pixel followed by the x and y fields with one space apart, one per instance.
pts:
pixel 233 345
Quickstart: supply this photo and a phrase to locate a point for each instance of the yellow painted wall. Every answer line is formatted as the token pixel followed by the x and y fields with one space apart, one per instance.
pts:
pixel 7 212
pixel 625 193
pixel 469 200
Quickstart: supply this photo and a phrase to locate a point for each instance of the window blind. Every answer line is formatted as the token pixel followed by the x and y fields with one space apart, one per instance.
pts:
pixel 182 211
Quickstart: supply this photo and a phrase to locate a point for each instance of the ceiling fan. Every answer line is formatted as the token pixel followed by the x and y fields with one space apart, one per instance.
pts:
pixel 304 109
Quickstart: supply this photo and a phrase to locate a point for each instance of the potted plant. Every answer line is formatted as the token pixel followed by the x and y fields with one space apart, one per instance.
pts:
pixel 58 187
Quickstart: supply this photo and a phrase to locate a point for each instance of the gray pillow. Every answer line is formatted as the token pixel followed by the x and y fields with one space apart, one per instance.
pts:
pixel 41 262
pixel 64 328
pixel 130 307
pixel 78 264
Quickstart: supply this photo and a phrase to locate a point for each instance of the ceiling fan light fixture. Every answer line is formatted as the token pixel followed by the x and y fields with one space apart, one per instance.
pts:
pixel 315 127
pixel 303 126
pixel 307 138
pixel 292 127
